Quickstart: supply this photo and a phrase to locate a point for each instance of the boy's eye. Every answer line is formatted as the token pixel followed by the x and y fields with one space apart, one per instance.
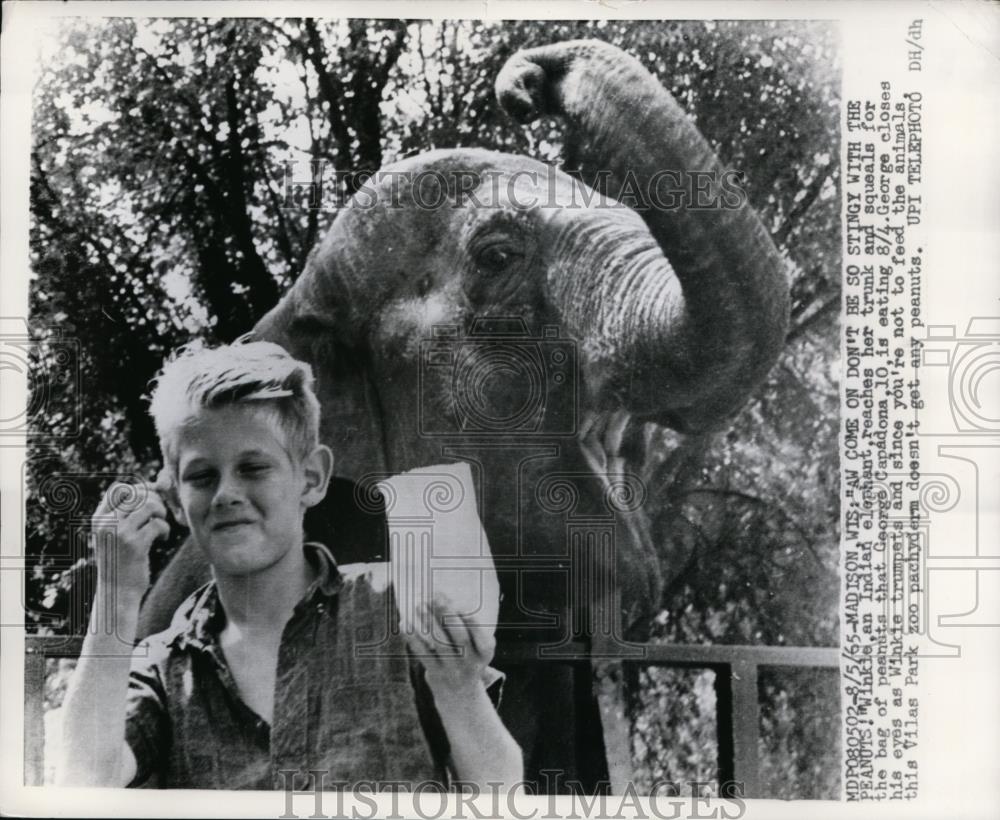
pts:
pixel 200 478
pixel 256 469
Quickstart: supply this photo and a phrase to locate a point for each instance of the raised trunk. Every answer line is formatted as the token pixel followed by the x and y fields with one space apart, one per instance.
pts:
pixel 708 347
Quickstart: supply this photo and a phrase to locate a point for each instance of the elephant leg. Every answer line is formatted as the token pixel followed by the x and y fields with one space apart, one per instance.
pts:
pixel 551 711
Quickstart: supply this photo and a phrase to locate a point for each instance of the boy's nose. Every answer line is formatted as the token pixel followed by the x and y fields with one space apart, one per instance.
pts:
pixel 228 492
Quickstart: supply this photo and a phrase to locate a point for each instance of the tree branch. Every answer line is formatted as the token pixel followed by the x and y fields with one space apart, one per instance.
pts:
pixel 330 89
pixel 803 205
pixel 830 306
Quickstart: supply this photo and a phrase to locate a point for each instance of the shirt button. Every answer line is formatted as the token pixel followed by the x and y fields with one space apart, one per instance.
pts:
pixel 320 607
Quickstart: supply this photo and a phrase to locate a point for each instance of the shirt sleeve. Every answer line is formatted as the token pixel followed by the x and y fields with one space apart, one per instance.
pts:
pixel 147 721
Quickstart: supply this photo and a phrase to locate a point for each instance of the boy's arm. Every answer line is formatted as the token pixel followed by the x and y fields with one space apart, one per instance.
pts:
pixel 482 750
pixel 94 749
pixel 95 752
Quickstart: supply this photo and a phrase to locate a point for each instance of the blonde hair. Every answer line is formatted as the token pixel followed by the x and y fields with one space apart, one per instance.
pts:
pixel 259 375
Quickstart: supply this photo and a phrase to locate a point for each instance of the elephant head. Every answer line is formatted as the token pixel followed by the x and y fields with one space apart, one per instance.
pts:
pixel 482 306
pixel 672 313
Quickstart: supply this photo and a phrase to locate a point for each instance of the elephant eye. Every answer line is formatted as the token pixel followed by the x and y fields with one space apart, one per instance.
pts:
pixel 497 257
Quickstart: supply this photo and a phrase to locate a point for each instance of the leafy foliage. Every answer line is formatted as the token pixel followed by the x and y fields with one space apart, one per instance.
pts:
pixel 161 212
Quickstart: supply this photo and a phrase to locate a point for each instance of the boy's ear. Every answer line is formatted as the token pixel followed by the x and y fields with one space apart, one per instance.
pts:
pixel 317 468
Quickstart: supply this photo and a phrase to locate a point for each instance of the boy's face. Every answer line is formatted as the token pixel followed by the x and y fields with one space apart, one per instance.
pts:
pixel 242 494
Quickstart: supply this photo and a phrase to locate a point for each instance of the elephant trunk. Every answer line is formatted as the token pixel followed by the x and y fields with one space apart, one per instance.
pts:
pixel 697 306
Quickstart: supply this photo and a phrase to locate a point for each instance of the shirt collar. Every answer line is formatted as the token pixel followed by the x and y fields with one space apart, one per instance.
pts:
pixel 200 618
pixel 328 578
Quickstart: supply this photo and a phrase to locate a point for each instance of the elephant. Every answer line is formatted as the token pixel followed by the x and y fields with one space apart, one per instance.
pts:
pixel 486 307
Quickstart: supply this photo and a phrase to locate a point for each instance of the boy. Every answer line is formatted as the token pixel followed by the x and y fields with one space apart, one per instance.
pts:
pixel 261 677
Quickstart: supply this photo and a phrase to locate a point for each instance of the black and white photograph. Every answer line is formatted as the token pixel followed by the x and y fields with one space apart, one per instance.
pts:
pixel 440 405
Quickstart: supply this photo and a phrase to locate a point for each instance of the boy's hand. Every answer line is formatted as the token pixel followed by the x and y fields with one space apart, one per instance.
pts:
pixel 128 520
pixel 455 661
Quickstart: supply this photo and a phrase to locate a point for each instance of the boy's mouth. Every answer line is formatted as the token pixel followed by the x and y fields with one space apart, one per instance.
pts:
pixel 230 525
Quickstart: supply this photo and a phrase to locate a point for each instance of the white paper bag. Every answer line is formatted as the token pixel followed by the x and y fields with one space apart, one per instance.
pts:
pixel 438 548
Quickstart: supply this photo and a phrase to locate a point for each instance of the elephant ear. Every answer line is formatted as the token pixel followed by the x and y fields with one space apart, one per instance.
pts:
pixel 681 326
pixel 314 321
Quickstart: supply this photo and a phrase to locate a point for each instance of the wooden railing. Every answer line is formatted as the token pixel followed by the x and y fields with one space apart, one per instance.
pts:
pixel 737 698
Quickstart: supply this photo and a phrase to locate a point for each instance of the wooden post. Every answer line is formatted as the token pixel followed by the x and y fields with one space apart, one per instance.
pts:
pixel 610 691
pixel 608 654
pixel 34 716
pixel 746 727
pixel 738 727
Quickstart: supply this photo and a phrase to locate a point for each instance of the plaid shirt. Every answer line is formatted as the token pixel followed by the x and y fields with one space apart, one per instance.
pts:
pixel 349 700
